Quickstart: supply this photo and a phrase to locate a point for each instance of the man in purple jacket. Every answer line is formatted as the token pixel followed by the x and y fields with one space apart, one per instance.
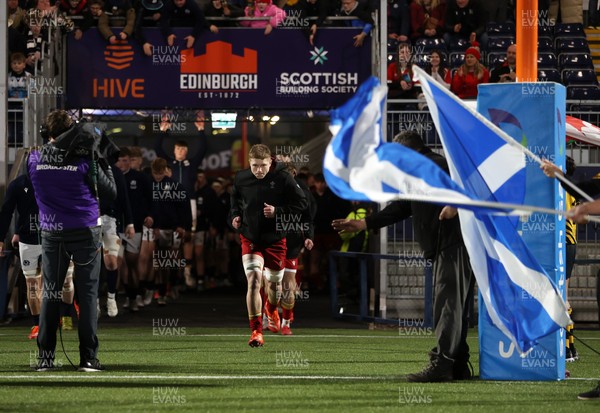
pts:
pixel 67 187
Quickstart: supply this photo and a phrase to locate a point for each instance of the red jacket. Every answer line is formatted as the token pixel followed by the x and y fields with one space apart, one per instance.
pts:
pixel 465 86
pixel 418 19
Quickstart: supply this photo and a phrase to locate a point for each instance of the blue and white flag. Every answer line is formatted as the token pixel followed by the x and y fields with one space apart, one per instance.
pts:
pixel 489 164
pixel 358 165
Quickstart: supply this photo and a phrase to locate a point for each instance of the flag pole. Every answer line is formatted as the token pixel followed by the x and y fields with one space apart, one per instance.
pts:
pixel 500 206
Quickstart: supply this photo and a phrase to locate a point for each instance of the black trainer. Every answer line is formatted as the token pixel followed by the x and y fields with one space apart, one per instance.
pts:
pixel 590 395
pixel 438 370
pixel 45 365
pixel 91 366
pixel 574 352
pixel 569 355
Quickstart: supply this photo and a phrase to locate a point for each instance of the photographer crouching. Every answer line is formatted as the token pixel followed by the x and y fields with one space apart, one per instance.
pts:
pixel 68 176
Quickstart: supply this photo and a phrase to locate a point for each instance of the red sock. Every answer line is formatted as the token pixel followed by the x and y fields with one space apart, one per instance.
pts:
pixel 256 324
pixel 271 307
pixel 288 314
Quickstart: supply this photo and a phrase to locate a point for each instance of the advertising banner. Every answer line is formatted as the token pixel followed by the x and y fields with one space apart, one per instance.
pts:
pixel 236 68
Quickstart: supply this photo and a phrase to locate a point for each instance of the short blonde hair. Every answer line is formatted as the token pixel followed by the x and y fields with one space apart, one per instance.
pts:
pixel 260 151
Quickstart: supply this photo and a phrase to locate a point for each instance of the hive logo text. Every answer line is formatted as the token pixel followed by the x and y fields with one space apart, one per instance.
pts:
pixel 118 56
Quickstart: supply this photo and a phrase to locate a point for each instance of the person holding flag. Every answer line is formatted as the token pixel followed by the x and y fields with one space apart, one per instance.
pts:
pixel 486 176
pixel 438 233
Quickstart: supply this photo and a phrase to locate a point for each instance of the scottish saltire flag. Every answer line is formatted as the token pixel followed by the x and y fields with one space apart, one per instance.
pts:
pixel 487 163
pixel 359 166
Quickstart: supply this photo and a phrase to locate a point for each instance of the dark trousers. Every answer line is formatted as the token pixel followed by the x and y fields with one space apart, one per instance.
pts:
pixel 453 281
pixel 58 248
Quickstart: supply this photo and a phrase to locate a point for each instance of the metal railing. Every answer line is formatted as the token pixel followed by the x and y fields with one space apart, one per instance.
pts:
pixel 361 264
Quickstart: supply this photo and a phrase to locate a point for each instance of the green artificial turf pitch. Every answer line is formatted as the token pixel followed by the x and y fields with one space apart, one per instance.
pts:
pixel 212 370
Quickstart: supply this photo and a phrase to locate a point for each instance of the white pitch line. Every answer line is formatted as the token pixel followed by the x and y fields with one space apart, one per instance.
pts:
pixel 584 378
pixel 83 376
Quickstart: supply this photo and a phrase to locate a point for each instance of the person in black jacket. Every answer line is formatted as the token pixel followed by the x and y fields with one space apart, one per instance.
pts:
pixel 466 20
pixel 20 197
pixel 172 216
pixel 147 13
pixel 221 8
pixel 300 235
pixel 184 173
pixel 134 272
pixel 264 198
pixel 116 218
pixel 182 13
pixel 438 232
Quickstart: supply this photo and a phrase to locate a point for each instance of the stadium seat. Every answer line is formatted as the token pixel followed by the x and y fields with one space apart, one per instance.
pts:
pixel 583 93
pixel 549 75
pixel 572 45
pixel 569 29
pixel 495 59
pixel 456 59
pixel 424 45
pixel 499 44
pixel 545 45
pixel 545 32
pixel 547 60
pixel 501 29
pixel 575 61
pixel 458 45
pixel 573 77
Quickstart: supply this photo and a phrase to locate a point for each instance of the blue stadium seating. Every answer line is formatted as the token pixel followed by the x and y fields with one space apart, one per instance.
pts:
pixel 572 45
pixel 456 59
pixel 545 32
pixel 545 45
pixel 547 60
pixel 499 44
pixel 495 59
pixel 583 92
pixel 500 29
pixel 549 75
pixel 575 61
pixel 573 77
pixel 392 45
pixel 458 45
pixel 424 45
pixel 569 29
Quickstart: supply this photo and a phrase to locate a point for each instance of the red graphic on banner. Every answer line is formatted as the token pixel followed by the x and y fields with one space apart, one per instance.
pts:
pixel 219 58
pixel 118 56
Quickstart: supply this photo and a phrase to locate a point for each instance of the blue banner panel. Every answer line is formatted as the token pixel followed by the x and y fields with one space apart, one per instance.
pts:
pixel 236 68
pixel 533 114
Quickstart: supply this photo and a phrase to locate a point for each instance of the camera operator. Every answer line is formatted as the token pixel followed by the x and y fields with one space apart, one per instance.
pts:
pixel 68 179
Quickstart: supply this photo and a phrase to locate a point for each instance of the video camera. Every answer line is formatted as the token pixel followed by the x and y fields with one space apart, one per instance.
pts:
pixel 87 140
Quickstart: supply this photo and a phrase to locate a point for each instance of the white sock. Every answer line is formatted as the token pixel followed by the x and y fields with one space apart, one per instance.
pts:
pixel 111 296
pixel 285 323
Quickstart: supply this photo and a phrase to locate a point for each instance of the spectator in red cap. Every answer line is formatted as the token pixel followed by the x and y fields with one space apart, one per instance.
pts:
pixel 264 8
pixel 470 74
